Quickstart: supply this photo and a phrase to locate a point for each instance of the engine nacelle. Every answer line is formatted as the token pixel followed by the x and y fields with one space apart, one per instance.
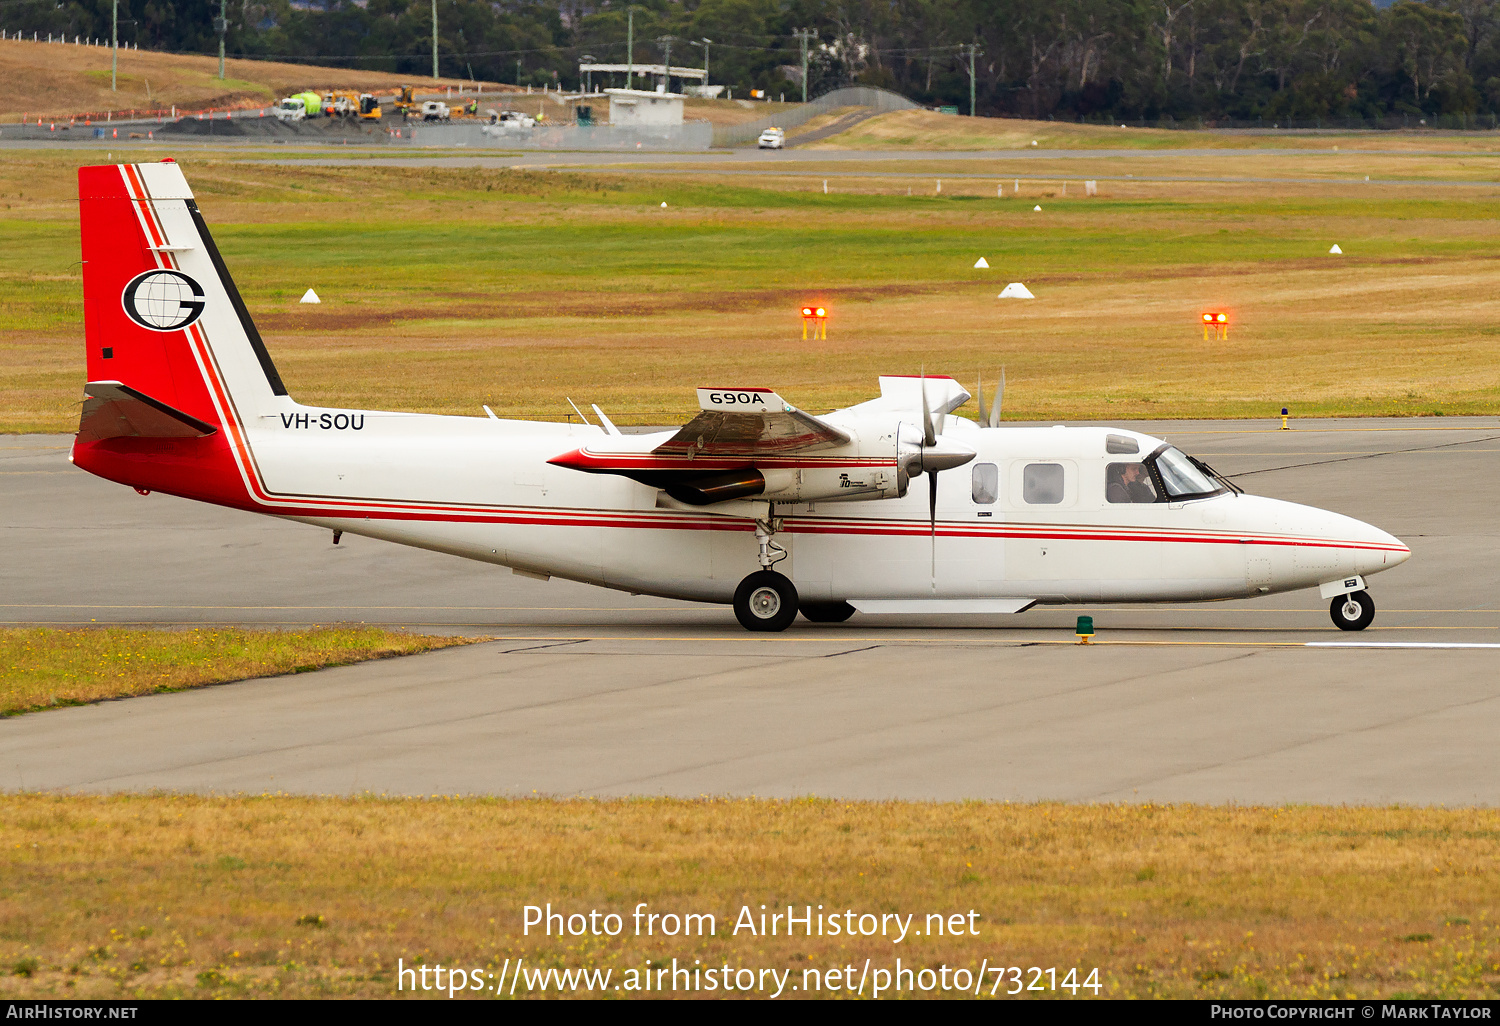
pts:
pixel 866 468
pixel 834 483
pixel 872 470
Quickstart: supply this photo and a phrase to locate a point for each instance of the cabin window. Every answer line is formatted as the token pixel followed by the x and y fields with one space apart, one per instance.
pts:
pixel 1120 444
pixel 986 483
pixel 1042 484
pixel 1129 482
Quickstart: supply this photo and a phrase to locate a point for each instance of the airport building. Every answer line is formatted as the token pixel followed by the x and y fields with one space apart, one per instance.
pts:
pixel 638 108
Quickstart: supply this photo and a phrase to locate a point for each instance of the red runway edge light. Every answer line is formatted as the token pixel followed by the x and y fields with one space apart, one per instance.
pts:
pixel 817 316
pixel 1218 323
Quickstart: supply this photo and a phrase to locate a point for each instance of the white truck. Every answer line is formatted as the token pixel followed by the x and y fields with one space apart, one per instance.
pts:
pixel 290 109
pixel 435 110
pixel 772 139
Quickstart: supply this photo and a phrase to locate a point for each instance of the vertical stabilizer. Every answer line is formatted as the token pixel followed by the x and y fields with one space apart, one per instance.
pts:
pixel 176 369
pixel 161 313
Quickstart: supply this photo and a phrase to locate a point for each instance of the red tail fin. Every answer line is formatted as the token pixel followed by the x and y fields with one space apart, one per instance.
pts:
pixel 164 327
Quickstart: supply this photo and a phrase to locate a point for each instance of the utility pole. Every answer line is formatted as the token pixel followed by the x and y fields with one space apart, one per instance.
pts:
pixel 629 45
pixel 666 42
pixel 972 49
pixel 705 41
pixel 221 26
pixel 804 36
pixel 434 41
pixel 114 42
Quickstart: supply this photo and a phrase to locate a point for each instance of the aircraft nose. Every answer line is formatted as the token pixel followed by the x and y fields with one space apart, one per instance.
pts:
pixel 1382 550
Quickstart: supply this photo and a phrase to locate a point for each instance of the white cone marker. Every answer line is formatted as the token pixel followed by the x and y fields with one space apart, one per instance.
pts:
pixel 1015 290
pixel 309 297
pixel 1336 251
pixel 982 264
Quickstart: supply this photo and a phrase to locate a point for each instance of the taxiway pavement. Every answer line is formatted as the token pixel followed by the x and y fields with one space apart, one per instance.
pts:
pixel 595 692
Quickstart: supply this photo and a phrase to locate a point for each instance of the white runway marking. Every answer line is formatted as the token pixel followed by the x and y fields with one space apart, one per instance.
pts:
pixel 1398 644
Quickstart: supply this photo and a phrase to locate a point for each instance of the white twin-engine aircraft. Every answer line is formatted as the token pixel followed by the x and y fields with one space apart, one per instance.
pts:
pixel 752 502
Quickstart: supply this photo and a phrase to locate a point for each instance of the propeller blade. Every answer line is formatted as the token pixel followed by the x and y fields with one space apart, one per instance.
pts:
pixel 999 399
pixel 932 476
pixel 929 434
pixel 979 394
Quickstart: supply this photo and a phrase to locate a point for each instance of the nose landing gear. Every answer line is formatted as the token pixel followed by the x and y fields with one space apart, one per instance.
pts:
pixel 1352 612
pixel 766 601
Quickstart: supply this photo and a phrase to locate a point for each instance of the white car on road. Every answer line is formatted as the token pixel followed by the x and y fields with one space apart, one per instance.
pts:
pixel 772 139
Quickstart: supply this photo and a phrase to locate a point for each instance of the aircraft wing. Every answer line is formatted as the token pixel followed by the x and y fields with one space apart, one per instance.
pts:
pixel 749 422
pixel 736 430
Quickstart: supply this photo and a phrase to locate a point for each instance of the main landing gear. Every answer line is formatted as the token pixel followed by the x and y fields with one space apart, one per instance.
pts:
pixel 1353 612
pixel 766 600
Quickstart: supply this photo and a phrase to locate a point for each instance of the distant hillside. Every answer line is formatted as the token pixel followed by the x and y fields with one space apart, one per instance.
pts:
pixel 58 80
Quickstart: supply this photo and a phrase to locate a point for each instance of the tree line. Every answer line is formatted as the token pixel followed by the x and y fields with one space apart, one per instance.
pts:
pixel 1137 59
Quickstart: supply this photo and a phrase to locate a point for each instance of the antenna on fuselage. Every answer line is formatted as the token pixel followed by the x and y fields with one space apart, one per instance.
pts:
pixel 580 413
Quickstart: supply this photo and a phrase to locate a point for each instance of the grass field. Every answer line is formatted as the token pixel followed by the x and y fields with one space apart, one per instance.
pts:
pixel 43 668
pixel 445 289
pixel 153 896
pixel 57 80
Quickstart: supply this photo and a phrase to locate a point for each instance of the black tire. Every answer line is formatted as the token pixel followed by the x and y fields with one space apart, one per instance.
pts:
pixel 1353 612
pixel 765 602
pixel 826 612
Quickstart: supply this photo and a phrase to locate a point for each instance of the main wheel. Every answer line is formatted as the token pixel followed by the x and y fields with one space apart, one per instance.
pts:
pixel 1353 612
pixel 827 612
pixel 765 601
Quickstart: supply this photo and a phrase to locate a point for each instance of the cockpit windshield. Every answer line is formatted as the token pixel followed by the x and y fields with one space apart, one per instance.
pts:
pixel 1184 477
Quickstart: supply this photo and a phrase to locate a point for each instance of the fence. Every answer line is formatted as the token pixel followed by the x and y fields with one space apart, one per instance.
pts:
pixel 692 135
pixel 881 100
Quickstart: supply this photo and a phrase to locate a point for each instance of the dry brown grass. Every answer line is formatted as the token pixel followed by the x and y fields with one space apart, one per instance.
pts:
pixel 57 80
pixel 927 130
pixel 279 896
pixel 730 112
pixel 45 668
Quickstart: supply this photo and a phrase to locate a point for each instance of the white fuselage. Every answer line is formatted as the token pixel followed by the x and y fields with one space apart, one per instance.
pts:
pixel 483 489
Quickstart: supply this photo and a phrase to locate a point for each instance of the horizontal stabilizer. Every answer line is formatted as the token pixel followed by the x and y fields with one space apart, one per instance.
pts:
pixel 115 410
pixel 944 606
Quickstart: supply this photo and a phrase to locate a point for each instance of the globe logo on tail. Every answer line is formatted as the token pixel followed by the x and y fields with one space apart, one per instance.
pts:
pixel 163 300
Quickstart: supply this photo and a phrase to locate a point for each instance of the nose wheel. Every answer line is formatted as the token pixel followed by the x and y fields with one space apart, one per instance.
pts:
pixel 765 602
pixel 1353 612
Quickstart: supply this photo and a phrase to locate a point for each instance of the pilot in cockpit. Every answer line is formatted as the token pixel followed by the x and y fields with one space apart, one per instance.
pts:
pixel 1128 482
